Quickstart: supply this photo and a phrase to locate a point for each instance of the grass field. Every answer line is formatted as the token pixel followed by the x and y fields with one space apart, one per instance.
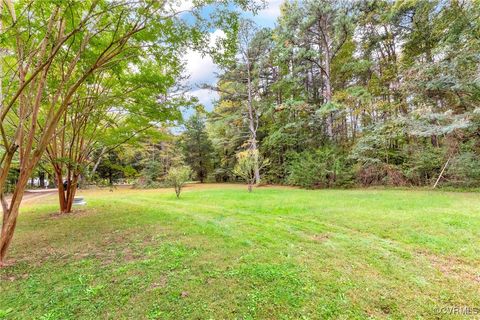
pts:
pixel 219 252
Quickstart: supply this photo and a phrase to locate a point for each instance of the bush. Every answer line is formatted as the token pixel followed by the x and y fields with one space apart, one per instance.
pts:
pixel 319 168
pixel 177 177
pixel 464 170
pixel 424 164
pixel 247 161
pixel 380 174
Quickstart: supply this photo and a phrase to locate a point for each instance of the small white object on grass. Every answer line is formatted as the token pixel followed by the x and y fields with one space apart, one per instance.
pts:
pixel 79 201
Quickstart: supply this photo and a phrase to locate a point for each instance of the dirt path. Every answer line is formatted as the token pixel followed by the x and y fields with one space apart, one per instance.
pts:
pixel 30 195
pixel 35 194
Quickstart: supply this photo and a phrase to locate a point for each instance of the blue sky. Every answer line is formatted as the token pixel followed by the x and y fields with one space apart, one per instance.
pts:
pixel 203 69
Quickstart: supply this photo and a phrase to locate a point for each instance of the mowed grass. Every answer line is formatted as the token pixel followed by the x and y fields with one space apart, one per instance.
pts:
pixel 219 252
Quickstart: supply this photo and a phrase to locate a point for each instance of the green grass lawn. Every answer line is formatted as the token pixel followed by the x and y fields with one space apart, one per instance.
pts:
pixel 219 252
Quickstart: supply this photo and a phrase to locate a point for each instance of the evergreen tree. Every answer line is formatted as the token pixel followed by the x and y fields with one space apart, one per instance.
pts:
pixel 393 86
pixel 197 147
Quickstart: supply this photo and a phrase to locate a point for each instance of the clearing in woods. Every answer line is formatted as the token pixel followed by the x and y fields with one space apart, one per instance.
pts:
pixel 221 252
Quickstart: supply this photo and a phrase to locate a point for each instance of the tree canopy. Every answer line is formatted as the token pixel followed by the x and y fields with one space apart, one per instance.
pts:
pixel 365 92
pixel 70 68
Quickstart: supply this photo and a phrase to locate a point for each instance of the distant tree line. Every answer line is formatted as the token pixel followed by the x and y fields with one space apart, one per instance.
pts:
pixel 338 94
pixel 345 93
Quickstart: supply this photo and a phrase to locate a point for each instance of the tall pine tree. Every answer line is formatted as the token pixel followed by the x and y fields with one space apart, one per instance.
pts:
pixel 196 146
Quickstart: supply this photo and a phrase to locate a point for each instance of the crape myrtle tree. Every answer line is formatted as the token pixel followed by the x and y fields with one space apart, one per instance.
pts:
pixel 50 49
pixel 121 106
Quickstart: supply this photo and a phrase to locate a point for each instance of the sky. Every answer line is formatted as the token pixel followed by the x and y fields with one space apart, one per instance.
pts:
pixel 202 69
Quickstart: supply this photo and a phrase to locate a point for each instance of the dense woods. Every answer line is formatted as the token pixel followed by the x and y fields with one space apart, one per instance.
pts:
pixel 355 93
pixel 338 94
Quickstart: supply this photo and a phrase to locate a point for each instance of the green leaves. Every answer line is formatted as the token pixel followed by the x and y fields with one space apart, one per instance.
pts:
pixel 328 108
pixel 326 167
pixel 196 147
pixel 177 177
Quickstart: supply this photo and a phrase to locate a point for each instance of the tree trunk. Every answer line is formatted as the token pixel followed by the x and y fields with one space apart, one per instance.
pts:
pixel 61 191
pixel 10 216
pixel 328 96
pixel 326 70
pixel 201 173
pixel 95 167
pixel 66 195
pixel 177 191
pixel 256 169
pixel 251 124
pixel 41 177
pixel 71 191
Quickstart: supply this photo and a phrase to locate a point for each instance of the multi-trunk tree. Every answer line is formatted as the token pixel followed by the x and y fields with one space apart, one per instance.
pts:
pixel 50 50
pixel 112 109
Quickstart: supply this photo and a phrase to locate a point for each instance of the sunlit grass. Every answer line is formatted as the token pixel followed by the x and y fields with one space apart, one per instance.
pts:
pixel 219 252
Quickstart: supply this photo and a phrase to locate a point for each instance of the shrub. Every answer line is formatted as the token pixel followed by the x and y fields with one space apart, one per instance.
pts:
pixel 464 170
pixel 324 167
pixel 245 166
pixel 380 174
pixel 177 177
pixel 424 164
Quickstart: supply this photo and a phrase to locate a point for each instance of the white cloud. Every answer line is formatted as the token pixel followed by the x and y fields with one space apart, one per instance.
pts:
pixel 205 97
pixel 268 16
pixel 202 70
pixel 180 6
pixel 185 5
pixel 216 35
pixel 272 10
